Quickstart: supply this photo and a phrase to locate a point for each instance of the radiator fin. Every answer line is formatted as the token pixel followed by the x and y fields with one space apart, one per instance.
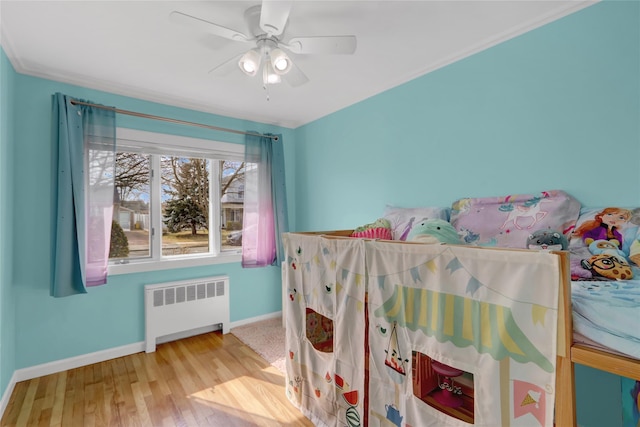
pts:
pixel 191 292
pixel 169 296
pixel 158 298
pixel 180 294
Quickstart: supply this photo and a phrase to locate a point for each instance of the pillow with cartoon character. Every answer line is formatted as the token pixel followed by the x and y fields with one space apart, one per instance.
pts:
pixel 634 250
pixel 604 244
pixel 403 219
pixel 508 221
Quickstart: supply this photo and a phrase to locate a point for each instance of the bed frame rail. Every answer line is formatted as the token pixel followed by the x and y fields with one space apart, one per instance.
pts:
pixel 601 360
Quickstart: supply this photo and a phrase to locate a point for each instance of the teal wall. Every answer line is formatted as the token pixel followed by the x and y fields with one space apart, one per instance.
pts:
pixel 50 329
pixel 555 108
pixel 7 311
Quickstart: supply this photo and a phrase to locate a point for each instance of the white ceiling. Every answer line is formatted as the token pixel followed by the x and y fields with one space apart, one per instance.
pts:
pixel 132 48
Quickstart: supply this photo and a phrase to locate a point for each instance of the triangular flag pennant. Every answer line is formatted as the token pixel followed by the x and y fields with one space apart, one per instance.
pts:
pixel 454 265
pixel 381 281
pixel 528 399
pixel 415 275
pixel 431 265
pixel 473 285
pixel 537 313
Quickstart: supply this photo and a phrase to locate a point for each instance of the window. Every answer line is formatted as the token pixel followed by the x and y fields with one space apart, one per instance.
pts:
pixel 445 388
pixel 319 331
pixel 178 202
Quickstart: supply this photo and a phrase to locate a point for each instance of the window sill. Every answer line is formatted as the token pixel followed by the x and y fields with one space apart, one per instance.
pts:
pixel 172 263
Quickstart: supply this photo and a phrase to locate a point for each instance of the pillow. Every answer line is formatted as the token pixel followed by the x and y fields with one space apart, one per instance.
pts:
pixel 402 219
pixel 612 231
pixel 615 224
pixel 634 250
pixel 509 221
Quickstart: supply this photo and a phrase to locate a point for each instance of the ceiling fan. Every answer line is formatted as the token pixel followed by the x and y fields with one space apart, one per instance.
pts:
pixel 267 23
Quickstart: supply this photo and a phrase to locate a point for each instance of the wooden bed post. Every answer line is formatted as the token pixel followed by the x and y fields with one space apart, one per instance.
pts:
pixel 565 393
pixel 565 413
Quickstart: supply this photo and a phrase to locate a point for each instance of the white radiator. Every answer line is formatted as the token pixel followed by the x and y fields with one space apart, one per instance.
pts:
pixel 174 307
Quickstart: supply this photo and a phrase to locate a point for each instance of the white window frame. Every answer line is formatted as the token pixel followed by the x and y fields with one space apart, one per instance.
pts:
pixel 166 144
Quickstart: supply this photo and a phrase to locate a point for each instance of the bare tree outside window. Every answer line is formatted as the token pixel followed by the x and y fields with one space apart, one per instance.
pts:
pixel 184 201
pixel 130 237
pixel 132 175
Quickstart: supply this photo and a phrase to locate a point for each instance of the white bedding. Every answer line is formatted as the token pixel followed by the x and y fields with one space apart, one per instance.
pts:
pixel 608 313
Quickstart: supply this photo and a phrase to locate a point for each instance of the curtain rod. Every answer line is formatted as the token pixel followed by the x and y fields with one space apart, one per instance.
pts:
pixel 166 119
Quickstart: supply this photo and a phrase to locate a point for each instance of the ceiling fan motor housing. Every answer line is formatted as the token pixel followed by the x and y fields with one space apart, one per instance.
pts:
pixel 252 18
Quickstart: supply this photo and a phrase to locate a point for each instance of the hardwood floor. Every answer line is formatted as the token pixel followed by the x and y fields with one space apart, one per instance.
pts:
pixel 206 380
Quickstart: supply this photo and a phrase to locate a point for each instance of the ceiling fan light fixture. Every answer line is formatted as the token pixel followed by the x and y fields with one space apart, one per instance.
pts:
pixel 269 76
pixel 280 60
pixel 250 62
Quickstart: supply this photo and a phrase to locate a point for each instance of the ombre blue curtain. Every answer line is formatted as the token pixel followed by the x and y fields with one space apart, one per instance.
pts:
pixel 265 215
pixel 84 150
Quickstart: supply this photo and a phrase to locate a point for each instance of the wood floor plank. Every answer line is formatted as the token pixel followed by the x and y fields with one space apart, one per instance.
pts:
pixel 58 399
pixel 206 380
pixel 49 393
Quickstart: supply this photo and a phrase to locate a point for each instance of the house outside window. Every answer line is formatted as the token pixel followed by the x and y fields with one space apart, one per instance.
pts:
pixel 178 202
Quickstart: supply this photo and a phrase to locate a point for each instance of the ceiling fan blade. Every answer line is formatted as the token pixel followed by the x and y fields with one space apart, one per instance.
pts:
pixel 226 67
pixel 322 45
pixel 206 26
pixel 295 77
pixel 274 16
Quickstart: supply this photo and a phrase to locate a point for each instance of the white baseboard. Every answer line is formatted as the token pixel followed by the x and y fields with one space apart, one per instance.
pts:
pixel 7 394
pixel 77 361
pixel 256 319
pixel 103 355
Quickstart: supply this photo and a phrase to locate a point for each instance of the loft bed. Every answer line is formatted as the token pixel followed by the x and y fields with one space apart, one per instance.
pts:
pixel 567 352
pixel 570 347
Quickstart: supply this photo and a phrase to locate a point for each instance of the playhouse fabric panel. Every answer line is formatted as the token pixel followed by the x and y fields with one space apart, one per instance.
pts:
pixel 324 281
pixel 488 316
pixel 508 221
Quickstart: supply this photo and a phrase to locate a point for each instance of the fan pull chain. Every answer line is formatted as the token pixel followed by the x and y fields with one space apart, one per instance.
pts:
pixel 266 88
